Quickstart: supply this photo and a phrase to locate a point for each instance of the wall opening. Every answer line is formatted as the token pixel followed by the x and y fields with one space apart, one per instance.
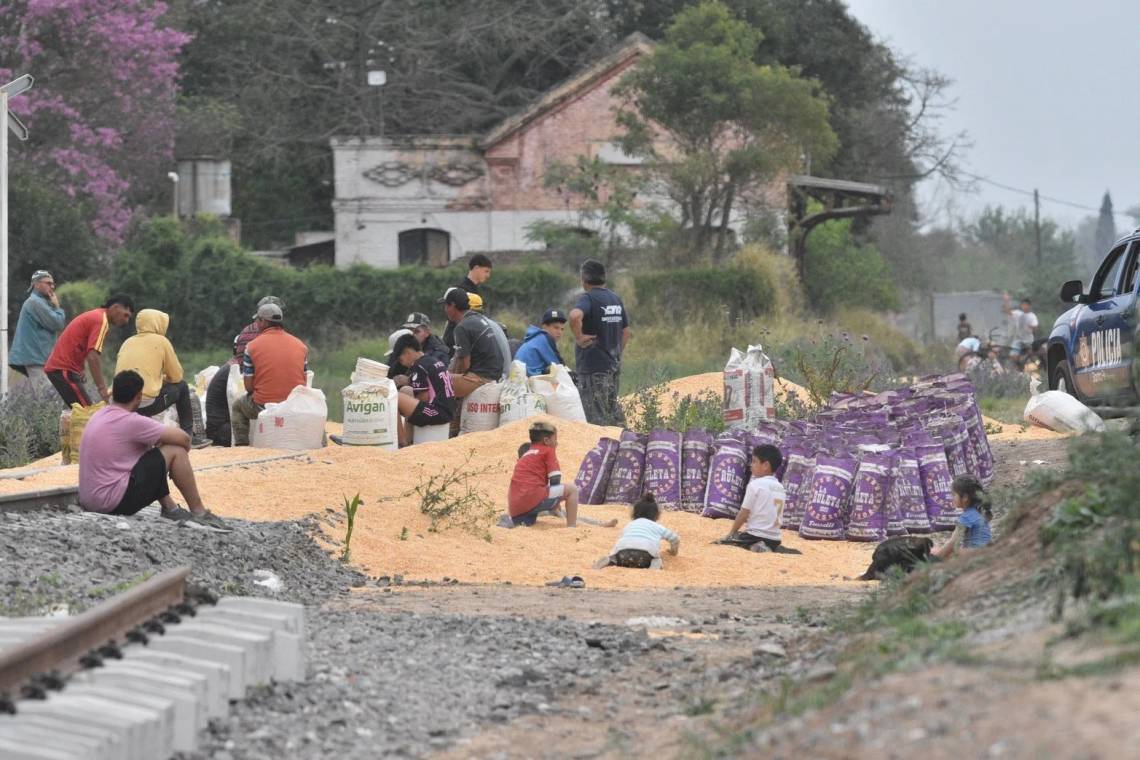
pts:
pixel 425 247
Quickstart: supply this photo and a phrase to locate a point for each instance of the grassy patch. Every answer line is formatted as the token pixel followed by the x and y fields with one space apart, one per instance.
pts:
pixel 1008 410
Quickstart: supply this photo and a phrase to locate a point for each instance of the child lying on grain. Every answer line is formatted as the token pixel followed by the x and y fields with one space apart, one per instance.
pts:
pixel 640 542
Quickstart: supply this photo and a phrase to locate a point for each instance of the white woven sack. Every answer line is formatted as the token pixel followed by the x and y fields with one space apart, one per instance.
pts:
pixel 371 414
pixel 1057 410
pixel 297 423
pixel 517 402
pixel 562 397
pixel 481 409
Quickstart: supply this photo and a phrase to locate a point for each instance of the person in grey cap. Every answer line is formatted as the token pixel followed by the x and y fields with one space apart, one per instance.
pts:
pixel 600 325
pixel 39 324
pixel 539 348
pixel 432 346
pixel 217 405
pixel 274 363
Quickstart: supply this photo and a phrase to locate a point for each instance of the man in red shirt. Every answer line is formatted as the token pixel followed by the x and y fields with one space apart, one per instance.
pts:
pixel 273 365
pixel 82 341
pixel 536 484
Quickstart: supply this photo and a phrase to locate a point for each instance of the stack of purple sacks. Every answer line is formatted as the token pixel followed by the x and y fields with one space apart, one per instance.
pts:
pixel 866 468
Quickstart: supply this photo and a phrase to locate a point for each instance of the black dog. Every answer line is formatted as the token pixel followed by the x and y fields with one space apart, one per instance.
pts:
pixel 901 551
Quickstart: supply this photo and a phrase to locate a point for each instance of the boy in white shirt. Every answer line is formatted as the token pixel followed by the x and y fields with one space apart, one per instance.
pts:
pixel 763 504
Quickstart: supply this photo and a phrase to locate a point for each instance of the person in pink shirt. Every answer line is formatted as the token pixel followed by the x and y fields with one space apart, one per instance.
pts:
pixel 125 459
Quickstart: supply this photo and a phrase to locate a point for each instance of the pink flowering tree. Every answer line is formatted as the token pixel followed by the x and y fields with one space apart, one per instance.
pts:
pixel 102 110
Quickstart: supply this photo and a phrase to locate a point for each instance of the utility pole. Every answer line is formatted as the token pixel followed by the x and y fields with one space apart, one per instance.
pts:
pixel 1037 222
pixel 8 121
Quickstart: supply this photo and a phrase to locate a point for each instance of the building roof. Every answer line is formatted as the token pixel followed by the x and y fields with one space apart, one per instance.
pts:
pixel 634 45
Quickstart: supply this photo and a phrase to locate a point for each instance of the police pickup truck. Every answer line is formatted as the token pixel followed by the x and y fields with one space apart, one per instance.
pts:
pixel 1092 346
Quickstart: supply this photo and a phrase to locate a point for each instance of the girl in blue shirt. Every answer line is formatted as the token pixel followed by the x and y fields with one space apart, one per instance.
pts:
pixel 973 528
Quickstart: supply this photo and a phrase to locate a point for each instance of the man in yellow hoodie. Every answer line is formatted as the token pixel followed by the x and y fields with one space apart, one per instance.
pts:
pixel 150 353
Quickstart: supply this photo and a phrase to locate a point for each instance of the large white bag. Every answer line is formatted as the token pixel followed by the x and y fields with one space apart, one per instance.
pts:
pixel 1058 411
pixel 562 397
pixel 481 409
pixel 371 414
pixel 517 401
pixel 749 393
pixel 297 423
pixel 235 389
pixel 202 383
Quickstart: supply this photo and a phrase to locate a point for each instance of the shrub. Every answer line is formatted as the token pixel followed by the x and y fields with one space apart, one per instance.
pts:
pixel 209 286
pixel 29 423
pixel 82 295
pixel 732 293
pixel 780 270
pixel 840 272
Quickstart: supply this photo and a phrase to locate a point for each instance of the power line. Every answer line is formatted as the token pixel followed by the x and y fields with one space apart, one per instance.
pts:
pixel 1032 193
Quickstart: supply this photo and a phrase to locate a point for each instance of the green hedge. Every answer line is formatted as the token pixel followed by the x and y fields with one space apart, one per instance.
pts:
pixel 681 295
pixel 210 286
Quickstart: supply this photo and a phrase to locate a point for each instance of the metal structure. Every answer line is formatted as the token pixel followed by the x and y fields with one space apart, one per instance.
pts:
pixel 60 648
pixel 840 199
pixel 8 121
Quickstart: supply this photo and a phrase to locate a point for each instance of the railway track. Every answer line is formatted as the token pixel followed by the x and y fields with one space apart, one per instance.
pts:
pixel 138 675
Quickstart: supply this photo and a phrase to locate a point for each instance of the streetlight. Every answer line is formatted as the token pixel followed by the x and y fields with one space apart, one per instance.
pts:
pixel 173 177
pixel 377 79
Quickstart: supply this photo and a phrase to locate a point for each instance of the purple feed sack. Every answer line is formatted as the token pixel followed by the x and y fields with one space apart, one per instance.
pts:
pixel 594 473
pixel 797 482
pixel 936 492
pixel 624 486
pixel 728 474
pixel 906 494
pixel 828 498
pixel 663 467
pixel 868 520
pixel 696 450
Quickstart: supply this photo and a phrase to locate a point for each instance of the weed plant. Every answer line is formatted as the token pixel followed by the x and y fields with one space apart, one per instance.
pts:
pixel 29 423
pixel 350 508
pixel 450 500
pixel 643 411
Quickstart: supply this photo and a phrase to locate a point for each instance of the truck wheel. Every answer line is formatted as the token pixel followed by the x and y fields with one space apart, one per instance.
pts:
pixel 1062 379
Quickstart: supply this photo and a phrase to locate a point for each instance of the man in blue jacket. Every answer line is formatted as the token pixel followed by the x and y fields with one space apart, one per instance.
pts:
pixel 540 346
pixel 40 322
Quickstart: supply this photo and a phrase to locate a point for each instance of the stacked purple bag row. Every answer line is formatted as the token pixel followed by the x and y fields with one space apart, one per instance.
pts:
pixel 866 468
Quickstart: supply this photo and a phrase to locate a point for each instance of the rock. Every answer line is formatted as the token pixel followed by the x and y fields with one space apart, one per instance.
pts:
pixel 821 672
pixel 769 648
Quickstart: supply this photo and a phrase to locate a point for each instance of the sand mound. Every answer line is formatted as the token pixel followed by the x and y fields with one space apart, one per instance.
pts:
pixel 291 488
pixel 710 382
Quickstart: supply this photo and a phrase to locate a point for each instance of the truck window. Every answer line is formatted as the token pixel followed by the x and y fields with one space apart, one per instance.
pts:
pixel 1104 285
pixel 1133 266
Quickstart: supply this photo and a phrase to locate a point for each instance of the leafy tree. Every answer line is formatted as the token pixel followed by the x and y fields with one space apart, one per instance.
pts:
pixel 730 124
pixel 841 272
pixel 102 111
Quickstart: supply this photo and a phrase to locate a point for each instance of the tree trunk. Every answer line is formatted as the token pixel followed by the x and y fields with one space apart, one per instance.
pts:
pixel 722 234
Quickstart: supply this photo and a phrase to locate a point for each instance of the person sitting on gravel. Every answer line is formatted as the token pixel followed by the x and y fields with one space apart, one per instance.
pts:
pixel 763 502
pixel 536 484
pixel 125 459
pixel 639 545
pixel 150 353
pixel 427 399
pixel 217 401
pixel 274 363
pixel 973 528
pixel 539 348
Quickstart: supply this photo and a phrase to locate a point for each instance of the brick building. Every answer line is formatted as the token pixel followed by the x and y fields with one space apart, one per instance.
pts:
pixel 432 199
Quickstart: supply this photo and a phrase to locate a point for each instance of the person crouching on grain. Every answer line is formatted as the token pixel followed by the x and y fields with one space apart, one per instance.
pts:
pixel 639 544
pixel 536 484
pixel 973 528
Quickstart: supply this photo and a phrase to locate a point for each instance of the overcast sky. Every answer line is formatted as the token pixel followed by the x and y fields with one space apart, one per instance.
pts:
pixel 1047 90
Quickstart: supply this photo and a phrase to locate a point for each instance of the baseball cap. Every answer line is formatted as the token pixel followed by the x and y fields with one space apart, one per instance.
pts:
pixel 476 301
pixel 416 319
pixel 542 427
pixel 271 299
pixel 39 274
pixel 553 315
pixel 270 312
pixel 396 336
pixel 456 297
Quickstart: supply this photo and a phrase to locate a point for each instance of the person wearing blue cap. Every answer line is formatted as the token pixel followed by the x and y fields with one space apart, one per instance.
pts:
pixel 540 346
pixel 40 322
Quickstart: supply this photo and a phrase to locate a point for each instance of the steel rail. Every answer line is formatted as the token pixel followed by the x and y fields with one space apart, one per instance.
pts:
pixel 60 648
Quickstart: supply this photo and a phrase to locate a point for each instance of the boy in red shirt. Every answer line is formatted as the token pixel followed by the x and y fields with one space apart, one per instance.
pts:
pixel 536 485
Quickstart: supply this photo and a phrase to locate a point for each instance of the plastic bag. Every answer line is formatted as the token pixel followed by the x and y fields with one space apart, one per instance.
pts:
pixel 517 401
pixel 728 476
pixel 594 472
pixel 297 423
pixel 629 466
pixel 868 520
pixel 749 396
pixel 481 409
pixel 1058 411
pixel 825 515
pixel 696 451
pixel 663 467
pixel 235 389
pixel 80 415
pixel 371 414
pixel 562 397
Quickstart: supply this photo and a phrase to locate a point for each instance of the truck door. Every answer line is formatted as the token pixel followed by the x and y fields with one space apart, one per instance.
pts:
pixel 1102 354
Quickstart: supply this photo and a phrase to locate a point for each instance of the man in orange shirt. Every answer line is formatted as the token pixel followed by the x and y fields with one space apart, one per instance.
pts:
pixel 82 341
pixel 274 363
pixel 536 484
